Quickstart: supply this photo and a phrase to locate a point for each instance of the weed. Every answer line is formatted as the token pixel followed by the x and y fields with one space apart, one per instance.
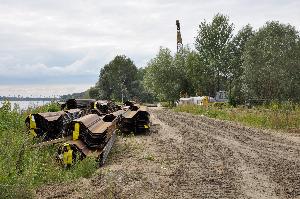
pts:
pixel 23 168
pixel 274 115
pixel 149 157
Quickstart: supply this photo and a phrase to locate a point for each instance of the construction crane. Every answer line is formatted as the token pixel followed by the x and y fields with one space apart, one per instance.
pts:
pixel 179 38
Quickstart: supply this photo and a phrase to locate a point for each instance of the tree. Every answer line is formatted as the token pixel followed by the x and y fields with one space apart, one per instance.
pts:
pixel 213 46
pixel 162 78
pixel 181 62
pixel 271 63
pixel 237 48
pixel 94 92
pixel 117 78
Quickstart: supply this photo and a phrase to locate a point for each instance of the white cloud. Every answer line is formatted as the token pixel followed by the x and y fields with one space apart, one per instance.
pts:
pixel 73 38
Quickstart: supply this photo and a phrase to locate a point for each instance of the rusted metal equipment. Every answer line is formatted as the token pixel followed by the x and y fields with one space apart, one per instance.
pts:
pixel 83 133
pixel 102 107
pixel 93 130
pixel 51 125
pixel 136 119
pixel 80 103
pixel 92 136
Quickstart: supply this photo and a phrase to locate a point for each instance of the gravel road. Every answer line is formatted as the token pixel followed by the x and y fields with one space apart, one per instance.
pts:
pixel 188 156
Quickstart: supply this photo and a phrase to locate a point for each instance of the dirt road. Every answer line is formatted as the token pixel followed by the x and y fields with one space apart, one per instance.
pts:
pixel 189 156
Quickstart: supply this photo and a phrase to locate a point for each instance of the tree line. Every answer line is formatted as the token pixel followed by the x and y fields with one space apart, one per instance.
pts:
pixel 248 64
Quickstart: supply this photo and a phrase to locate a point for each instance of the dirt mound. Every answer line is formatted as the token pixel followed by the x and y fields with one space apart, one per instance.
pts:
pixel 189 156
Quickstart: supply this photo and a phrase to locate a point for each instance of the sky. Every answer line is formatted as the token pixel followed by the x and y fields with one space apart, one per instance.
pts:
pixel 52 47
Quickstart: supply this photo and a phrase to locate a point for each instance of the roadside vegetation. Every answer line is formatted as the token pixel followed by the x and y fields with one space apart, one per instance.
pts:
pixel 284 116
pixel 22 167
pixel 248 63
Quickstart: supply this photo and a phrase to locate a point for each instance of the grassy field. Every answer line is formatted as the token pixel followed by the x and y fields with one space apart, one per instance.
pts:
pixel 23 168
pixel 273 116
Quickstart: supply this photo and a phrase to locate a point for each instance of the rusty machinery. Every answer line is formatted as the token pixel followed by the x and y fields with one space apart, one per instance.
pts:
pixel 51 125
pixel 92 136
pixel 88 130
pixel 79 103
pixel 102 107
pixel 135 119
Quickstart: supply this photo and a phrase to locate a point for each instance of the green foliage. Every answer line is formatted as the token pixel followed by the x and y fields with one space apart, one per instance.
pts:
pixel 220 105
pixel 274 116
pixel 161 77
pixel 213 47
pixel 94 92
pixel 272 63
pixel 166 104
pixel 166 75
pixel 149 157
pixel 117 77
pixel 249 65
pixel 50 107
pixel 22 167
pixel 239 41
pixel 120 78
pixel 82 95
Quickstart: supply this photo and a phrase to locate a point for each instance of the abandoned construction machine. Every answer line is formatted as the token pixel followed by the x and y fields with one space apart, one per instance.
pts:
pixel 92 136
pixel 88 129
pixel 102 107
pixel 79 103
pixel 51 125
pixel 135 119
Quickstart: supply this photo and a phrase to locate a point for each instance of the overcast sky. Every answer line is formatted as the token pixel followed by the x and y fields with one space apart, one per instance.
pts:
pixel 52 47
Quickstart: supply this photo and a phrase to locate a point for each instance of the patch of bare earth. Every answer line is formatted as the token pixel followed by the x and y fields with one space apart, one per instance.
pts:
pixel 188 156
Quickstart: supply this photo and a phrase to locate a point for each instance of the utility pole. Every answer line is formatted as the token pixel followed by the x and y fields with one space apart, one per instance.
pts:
pixel 179 38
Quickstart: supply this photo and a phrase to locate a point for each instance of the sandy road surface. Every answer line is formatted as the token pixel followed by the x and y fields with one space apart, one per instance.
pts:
pixel 189 156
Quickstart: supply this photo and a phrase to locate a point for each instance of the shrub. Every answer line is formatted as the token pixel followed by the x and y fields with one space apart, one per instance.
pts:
pixel 22 167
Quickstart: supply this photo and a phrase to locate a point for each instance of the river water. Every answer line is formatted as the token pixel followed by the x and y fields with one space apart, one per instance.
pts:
pixel 26 104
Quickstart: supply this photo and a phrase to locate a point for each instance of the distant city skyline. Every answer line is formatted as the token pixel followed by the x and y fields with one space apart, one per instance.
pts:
pixel 58 47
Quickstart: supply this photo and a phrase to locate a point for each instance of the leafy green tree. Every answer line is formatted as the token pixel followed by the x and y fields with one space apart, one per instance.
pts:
pixel 213 46
pixel 237 46
pixel 142 94
pixel 117 78
pixel 181 62
pixel 162 78
pixel 271 63
pixel 94 92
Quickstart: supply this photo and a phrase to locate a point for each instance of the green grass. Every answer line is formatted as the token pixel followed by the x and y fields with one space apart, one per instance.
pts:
pixel 23 168
pixel 274 116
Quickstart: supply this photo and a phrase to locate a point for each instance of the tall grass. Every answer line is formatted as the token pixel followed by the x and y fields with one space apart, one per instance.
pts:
pixel 24 168
pixel 284 116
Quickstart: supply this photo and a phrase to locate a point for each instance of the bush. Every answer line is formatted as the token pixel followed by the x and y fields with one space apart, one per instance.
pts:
pixel 274 115
pixel 23 168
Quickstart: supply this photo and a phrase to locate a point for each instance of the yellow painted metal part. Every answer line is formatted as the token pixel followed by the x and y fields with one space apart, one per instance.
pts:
pixel 68 155
pixel 95 105
pixel 76 131
pixel 32 126
pixel 32 123
pixel 146 126
pixel 205 101
pixel 32 133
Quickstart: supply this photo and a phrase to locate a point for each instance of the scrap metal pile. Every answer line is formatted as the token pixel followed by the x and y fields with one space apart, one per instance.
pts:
pixel 87 127
pixel 135 119
pixel 51 125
